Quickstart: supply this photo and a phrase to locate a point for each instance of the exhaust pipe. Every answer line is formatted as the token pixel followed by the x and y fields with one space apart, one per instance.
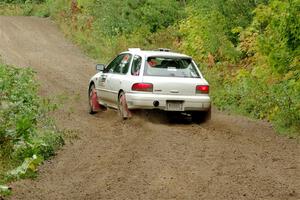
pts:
pixel 155 103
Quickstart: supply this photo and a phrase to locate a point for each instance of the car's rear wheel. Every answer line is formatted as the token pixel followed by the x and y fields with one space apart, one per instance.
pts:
pixel 201 116
pixel 94 106
pixel 123 107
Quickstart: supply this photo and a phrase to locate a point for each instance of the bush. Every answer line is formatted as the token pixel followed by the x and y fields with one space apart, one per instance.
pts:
pixel 24 131
pixel 248 92
pixel 131 15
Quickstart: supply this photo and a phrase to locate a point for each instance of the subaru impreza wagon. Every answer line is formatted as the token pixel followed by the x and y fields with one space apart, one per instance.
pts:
pixel 161 79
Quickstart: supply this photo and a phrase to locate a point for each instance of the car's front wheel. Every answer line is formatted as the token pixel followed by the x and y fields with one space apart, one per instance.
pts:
pixel 123 107
pixel 201 116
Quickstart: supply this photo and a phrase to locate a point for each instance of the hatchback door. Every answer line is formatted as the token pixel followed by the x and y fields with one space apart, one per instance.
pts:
pixel 172 75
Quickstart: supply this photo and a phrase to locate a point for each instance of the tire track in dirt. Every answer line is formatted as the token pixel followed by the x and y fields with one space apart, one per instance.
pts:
pixel 230 157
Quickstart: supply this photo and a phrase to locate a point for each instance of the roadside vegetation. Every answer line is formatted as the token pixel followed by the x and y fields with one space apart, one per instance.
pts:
pixel 27 135
pixel 24 8
pixel 249 50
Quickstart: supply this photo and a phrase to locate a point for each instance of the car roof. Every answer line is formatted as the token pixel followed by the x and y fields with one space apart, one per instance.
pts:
pixel 157 53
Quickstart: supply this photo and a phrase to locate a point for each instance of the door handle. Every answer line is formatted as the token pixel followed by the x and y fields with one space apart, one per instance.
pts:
pixel 103 77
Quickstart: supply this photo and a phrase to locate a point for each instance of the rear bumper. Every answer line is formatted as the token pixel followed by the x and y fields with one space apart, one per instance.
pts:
pixel 146 101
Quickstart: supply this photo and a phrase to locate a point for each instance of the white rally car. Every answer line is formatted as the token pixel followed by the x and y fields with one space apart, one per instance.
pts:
pixel 161 79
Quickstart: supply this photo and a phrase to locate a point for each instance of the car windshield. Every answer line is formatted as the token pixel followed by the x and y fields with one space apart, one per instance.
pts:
pixel 170 67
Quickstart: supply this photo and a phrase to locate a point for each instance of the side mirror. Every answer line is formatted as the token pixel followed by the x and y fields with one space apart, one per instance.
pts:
pixel 100 67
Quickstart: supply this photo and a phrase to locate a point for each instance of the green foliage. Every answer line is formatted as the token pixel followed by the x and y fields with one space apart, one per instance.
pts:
pixel 235 12
pixel 11 9
pixel 19 104
pixel 103 37
pixel 249 94
pixel 280 26
pixel 26 137
pixel 25 8
pixel 57 8
pixel 205 34
pixel 115 17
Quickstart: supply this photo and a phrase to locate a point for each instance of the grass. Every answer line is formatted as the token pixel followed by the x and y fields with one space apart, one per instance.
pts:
pixel 28 9
pixel 11 9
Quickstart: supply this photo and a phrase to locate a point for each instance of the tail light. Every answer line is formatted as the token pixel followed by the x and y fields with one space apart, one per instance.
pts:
pixel 202 89
pixel 144 87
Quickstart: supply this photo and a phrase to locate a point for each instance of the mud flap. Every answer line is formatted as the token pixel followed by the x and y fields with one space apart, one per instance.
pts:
pixel 96 106
pixel 126 112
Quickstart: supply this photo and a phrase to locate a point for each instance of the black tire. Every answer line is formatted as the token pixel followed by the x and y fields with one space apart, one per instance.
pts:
pixel 201 116
pixel 91 109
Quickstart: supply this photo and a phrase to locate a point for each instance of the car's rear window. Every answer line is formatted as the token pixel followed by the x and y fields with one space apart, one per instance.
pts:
pixel 170 67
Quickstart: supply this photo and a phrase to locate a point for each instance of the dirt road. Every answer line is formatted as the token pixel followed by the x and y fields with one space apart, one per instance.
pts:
pixel 230 157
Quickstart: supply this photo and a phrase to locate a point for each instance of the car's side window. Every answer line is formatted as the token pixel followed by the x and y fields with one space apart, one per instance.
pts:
pixel 136 65
pixel 111 67
pixel 123 66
